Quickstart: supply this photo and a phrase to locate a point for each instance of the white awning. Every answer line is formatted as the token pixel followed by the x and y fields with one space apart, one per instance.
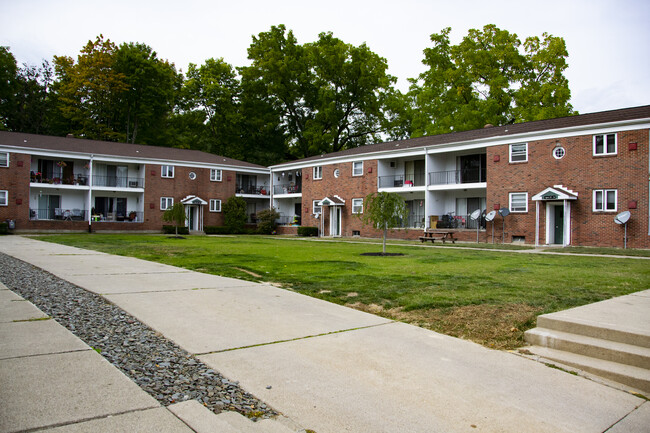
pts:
pixel 194 200
pixel 557 192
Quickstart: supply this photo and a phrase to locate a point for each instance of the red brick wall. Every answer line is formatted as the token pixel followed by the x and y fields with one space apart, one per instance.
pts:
pixel 179 187
pixel 345 186
pixel 580 171
pixel 15 180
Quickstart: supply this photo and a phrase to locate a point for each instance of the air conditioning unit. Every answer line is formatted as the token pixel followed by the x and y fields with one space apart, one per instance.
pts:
pixel 393 164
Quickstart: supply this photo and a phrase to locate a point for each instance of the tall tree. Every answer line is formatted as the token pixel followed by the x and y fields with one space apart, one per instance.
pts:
pixel 331 95
pixel 384 211
pixel 8 86
pixel 90 90
pixel 487 79
pixel 152 87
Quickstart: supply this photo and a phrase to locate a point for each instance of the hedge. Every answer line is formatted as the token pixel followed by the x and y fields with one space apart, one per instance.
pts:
pixel 4 228
pixel 217 230
pixel 307 231
pixel 171 230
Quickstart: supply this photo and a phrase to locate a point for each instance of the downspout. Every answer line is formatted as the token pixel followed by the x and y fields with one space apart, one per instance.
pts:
pixel 90 194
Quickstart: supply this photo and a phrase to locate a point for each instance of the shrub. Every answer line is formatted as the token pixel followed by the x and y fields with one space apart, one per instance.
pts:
pixel 4 228
pixel 234 214
pixel 307 231
pixel 216 230
pixel 266 221
pixel 169 230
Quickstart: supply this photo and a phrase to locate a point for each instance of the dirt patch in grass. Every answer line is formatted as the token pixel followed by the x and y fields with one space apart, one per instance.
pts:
pixel 494 326
pixel 248 272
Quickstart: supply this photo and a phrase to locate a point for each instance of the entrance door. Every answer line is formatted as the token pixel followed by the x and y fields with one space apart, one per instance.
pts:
pixel 558 221
pixel 191 217
pixel 335 221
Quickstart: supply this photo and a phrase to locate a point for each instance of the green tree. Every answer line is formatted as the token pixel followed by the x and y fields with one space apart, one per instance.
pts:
pixel 330 95
pixel 152 88
pixel 89 92
pixel 234 213
pixel 266 221
pixel 8 86
pixel 176 215
pixel 384 210
pixel 487 79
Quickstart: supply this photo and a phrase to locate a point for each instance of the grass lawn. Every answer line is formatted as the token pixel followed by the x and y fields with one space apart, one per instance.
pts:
pixel 490 297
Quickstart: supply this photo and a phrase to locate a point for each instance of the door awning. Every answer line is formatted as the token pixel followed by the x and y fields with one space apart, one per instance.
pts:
pixel 193 200
pixel 334 200
pixel 557 192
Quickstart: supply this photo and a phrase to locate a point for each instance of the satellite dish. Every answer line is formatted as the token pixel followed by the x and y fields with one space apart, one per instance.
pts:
pixel 504 211
pixel 490 215
pixel 474 215
pixel 622 218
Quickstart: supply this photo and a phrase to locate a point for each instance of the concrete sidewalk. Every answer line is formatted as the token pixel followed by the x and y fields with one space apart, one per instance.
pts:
pixel 334 369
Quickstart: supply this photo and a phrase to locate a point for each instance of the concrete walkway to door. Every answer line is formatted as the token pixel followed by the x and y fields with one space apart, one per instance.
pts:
pixel 334 369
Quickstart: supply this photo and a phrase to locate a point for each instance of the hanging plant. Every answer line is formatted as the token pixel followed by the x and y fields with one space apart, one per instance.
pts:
pixel 61 164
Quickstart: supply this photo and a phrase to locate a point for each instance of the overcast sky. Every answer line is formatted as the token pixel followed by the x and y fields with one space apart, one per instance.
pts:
pixel 608 41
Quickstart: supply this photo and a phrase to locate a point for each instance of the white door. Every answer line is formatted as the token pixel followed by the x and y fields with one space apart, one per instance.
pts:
pixel 335 221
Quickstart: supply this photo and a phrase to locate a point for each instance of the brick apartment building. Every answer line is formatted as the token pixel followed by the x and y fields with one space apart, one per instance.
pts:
pixel 68 184
pixel 563 182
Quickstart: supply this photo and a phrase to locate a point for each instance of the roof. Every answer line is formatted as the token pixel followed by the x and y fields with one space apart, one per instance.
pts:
pixel 514 129
pixel 126 150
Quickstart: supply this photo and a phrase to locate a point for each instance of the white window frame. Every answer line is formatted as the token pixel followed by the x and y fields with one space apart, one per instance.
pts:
pixel 213 205
pixel 166 203
pixel 518 153
pixel 357 205
pixel 354 168
pixel 215 175
pixel 604 193
pixel 604 137
pixel 4 198
pixel 318 172
pixel 518 209
pixel 167 171
pixel 4 162
pixel 316 209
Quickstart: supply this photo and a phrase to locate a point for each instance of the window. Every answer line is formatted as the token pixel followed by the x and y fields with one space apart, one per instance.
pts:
pixel 3 198
pixel 518 202
pixel 315 207
pixel 166 203
pixel 519 152
pixel 357 168
pixel 167 171
pixel 215 175
pixel 192 175
pixel 215 205
pixel 559 152
pixel 605 200
pixel 357 205
pixel 4 159
pixel 605 144
pixel 318 172
pixel 337 173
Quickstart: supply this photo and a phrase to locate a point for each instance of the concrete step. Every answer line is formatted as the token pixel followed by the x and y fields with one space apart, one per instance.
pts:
pixel 635 377
pixel 598 348
pixel 606 330
pixel 203 420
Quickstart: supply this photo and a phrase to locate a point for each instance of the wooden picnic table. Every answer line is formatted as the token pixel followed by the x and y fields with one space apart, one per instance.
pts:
pixel 438 234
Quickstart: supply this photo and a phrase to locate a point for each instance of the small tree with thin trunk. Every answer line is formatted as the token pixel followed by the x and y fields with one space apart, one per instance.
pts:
pixel 176 215
pixel 384 210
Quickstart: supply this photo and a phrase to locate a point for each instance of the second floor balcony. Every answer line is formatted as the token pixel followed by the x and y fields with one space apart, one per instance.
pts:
pixel 252 189
pixel 288 188
pixel 455 177
pixel 118 181
pixel 401 181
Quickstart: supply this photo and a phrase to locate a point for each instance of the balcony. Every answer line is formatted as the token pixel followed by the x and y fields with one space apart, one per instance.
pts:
pixel 287 189
pixel 76 179
pixel 53 214
pixel 401 181
pixel 452 221
pixel 414 221
pixel 118 182
pixel 252 190
pixel 127 217
pixel 456 177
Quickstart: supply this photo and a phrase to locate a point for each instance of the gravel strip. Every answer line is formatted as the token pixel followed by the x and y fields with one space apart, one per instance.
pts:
pixel 157 365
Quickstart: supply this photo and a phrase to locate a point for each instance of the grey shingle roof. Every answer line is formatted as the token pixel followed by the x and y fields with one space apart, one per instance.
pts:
pixel 492 132
pixel 126 150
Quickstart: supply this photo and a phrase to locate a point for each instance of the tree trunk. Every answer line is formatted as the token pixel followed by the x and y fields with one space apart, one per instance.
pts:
pixel 385 232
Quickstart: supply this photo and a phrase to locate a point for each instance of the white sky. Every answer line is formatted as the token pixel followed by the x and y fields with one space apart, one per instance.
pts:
pixel 608 41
